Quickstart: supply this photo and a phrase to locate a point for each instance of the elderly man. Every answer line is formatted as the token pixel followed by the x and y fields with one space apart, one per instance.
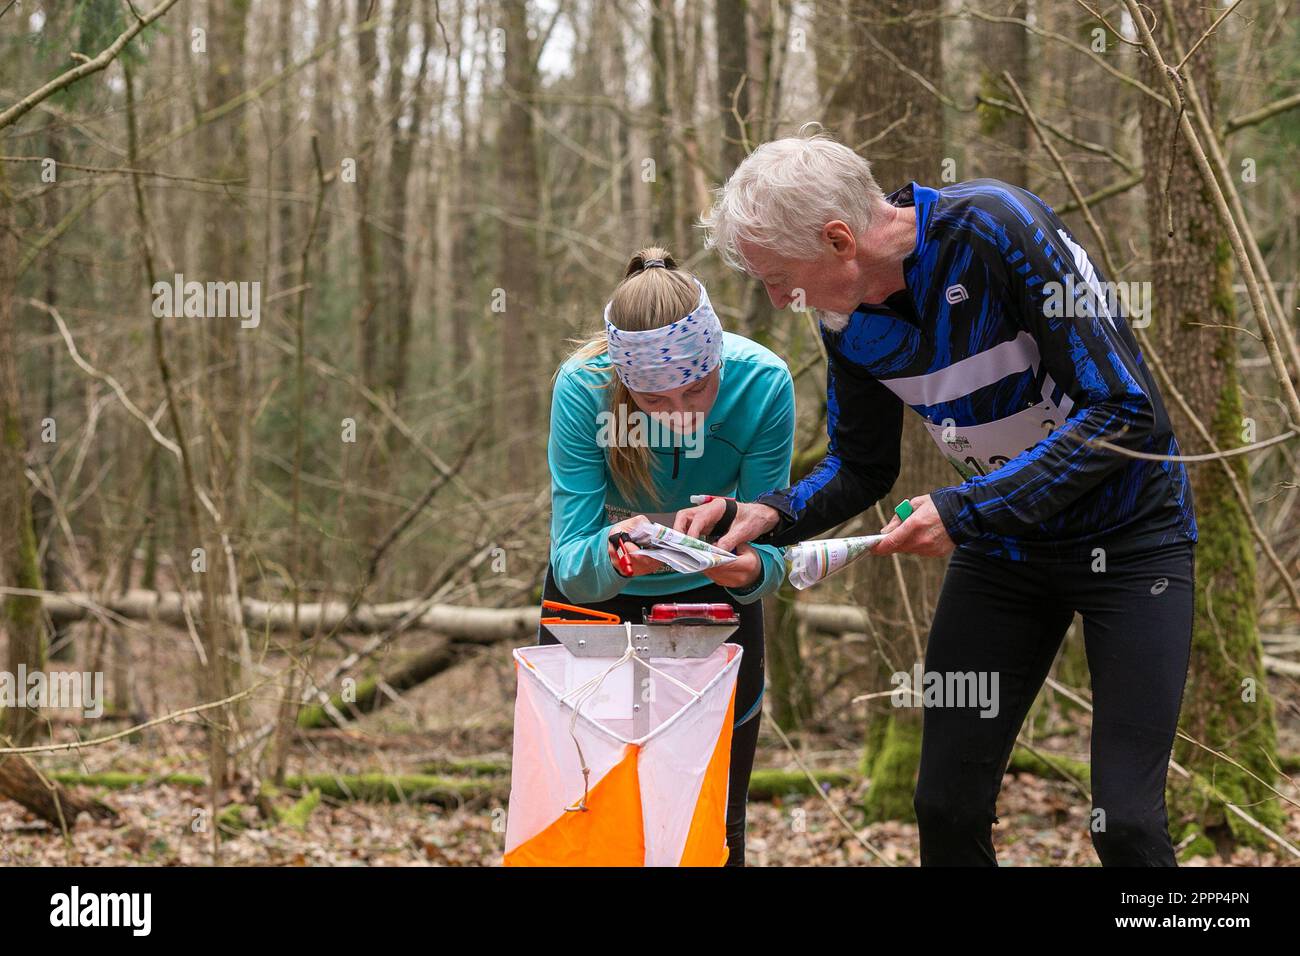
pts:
pixel 975 306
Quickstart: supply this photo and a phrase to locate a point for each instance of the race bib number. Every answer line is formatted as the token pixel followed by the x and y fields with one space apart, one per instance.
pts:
pixel 976 450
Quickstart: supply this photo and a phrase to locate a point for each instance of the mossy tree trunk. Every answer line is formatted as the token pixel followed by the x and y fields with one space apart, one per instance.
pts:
pixel 914 150
pixel 19 564
pixel 1226 705
pixel 787 677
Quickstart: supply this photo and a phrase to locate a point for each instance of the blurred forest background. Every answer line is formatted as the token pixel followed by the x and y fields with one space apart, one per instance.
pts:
pixel 300 542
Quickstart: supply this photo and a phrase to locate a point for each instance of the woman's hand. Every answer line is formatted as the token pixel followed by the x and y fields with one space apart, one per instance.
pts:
pixel 751 520
pixel 640 563
pixel 741 573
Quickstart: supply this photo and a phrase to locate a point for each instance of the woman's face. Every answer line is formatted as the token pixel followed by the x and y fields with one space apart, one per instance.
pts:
pixel 682 409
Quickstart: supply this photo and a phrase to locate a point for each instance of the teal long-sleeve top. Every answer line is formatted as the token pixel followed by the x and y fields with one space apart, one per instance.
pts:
pixel 748 439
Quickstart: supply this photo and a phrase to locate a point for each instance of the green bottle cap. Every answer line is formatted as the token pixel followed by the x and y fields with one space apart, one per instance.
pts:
pixel 904 510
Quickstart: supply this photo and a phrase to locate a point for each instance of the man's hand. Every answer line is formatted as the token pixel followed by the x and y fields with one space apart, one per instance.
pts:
pixel 640 563
pixel 741 573
pixel 922 533
pixel 751 521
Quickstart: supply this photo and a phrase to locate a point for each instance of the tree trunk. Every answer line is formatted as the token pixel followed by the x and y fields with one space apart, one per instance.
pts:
pixel 19 565
pixel 788 686
pixel 733 90
pixel 911 151
pixel 1226 705
pixel 225 259
pixel 519 189
pixel 998 47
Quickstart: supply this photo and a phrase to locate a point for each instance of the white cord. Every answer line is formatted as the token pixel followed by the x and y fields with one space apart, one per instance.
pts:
pixel 588 688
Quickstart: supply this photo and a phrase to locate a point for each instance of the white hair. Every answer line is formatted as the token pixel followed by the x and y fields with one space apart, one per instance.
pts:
pixel 835 321
pixel 785 191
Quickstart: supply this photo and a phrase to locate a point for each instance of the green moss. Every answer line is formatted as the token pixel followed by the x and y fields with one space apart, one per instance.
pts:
pixel 473 767
pixel 394 788
pixel 1221 297
pixel 1049 765
pixel 296 816
pixel 1200 845
pixel 767 784
pixel 893 771
pixel 315 716
pixel 232 820
pixel 116 780
pixel 991 118
pixel 21 614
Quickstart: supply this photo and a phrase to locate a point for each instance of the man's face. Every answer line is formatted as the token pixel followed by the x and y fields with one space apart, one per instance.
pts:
pixel 829 282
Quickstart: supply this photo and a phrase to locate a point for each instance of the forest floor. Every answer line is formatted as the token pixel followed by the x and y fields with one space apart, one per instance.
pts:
pixel 465 714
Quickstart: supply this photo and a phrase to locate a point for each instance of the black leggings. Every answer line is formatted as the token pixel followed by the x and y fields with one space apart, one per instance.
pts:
pixel 749 685
pixel 1009 617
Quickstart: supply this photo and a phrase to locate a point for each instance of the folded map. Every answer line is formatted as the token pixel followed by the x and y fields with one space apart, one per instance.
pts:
pixel 679 551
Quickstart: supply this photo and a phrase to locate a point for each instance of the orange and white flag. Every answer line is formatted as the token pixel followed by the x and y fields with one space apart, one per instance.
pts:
pixel 659 799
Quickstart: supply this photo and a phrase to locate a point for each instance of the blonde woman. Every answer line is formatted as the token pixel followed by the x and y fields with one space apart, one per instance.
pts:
pixel 658 405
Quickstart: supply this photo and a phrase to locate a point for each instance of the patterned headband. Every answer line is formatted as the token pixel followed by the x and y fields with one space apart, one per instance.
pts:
pixel 657 360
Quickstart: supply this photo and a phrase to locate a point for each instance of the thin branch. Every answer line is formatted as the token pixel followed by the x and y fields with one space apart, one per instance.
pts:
pixel 1211 456
pixel 129 731
pixel 108 379
pixel 1205 36
pixel 64 80
pixel 1106 192
pixel 1261 114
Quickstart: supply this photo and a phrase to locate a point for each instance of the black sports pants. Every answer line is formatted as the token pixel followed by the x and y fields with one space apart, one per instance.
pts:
pixel 749 684
pixel 1009 617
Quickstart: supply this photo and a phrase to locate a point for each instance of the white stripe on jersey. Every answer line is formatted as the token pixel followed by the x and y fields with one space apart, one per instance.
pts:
pixel 961 378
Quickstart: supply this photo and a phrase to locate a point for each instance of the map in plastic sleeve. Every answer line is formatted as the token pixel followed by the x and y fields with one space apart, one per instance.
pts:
pixel 679 551
pixel 811 561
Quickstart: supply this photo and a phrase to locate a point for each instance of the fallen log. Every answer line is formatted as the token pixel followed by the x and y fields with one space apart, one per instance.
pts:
pixel 832 618
pixel 20 783
pixel 491 779
pixel 370 694
pixel 428 788
pixel 476 625
pixel 472 624
pixel 363 787
pixel 851 619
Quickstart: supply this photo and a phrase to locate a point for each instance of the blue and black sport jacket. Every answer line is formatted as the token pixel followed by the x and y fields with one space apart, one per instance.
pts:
pixel 1008 346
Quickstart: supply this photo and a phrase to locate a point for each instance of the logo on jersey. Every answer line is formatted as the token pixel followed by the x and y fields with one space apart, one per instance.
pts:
pixel 956 293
